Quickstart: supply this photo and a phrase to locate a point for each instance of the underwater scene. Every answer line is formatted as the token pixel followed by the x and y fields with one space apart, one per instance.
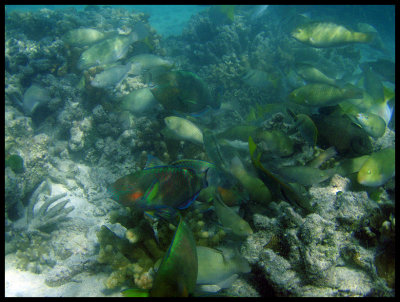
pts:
pixel 204 150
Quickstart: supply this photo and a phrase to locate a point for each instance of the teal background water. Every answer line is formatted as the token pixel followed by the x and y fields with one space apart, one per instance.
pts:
pixel 166 19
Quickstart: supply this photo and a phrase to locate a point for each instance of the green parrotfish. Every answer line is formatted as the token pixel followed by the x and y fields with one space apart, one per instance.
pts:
pixel 378 168
pixel 158 188
pixel 177 274
pixel 183 91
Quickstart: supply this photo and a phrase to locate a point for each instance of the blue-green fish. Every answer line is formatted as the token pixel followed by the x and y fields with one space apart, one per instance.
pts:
pixel 158 188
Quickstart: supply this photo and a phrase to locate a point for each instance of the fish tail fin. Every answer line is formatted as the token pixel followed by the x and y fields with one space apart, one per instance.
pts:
pixel 367 37
pixel 153 161
pixel 388 104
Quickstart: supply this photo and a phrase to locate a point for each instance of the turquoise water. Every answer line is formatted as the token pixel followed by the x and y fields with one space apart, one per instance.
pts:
pixel 166 19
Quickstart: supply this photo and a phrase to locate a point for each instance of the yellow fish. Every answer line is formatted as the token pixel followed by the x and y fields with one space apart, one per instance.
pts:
pixel 327 34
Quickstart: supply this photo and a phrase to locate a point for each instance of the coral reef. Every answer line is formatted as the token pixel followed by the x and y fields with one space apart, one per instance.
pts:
pixel 318 254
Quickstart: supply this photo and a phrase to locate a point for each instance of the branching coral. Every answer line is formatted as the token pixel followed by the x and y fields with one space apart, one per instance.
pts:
pixel 45 218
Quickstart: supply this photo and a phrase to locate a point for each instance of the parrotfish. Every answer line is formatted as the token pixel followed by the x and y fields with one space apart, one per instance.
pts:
pixel 153 64
pixel 278 188
pixel 158 188
pixel 378 168
pixel 111 76
pixel 327 34
pixel 321 95
pixel 348 139
pixel 139 101
pixel 313 75
pixel 34 97
pixel 306 127
pixel 177 273
pixel 304 175
pixel 215 267
pixel 183 91
pixel 183 129
pixel 373 124
pixel 83 36
pixel 258 191
pixel 230 220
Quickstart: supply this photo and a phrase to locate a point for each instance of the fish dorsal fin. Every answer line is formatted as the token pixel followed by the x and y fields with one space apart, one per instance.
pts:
pixel 153 161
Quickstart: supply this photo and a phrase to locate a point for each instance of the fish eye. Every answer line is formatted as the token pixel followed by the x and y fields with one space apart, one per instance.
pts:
pixel 369 172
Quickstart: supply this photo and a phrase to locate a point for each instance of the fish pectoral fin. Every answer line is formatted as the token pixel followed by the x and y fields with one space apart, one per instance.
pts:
pixel 152 191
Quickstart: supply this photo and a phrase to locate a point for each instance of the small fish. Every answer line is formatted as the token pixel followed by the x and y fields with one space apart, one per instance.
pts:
pixel 304 175
pixel 275 142
pixel 34 97
pixel 231 196
pixel 184 129
pixel 313 75
pixel 320 95
pixel 322 157
pixel 158 188
pixel 183 91
pixel 351 165
pixel 215 267
pixel 240 132
pixel 373 124
pixel 177 273
pixel 109 50
pixel 257 190
pixel 111 76
pixel 327 34
pixel 279 188
pixel 83 36
pixel 138 101
pixel 153 64
pixel 306 127
pixel 378 168
pixel 230 220
pixel 261 79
